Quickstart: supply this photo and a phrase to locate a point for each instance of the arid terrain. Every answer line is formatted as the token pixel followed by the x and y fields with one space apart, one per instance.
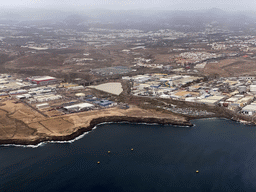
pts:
pixel 20 123
pixel 231 67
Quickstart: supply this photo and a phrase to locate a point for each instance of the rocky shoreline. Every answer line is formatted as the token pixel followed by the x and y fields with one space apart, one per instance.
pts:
pixel 93 123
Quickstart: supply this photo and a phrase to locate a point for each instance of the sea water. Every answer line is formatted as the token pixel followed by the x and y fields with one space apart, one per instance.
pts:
pixel 164 158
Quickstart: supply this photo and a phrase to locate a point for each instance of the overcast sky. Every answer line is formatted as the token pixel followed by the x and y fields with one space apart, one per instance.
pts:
pixel 229 5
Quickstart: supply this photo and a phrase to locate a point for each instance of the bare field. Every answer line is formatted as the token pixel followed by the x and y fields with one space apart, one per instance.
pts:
pixel 52 113
pixel 58 62
pixel 18 121
pixel 14 129
pixel 75 61
pixel 231 67
pixel 162 58
pixel 38 60
pixel 21 112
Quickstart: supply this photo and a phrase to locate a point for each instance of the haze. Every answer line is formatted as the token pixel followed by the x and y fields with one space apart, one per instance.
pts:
pixel 234 5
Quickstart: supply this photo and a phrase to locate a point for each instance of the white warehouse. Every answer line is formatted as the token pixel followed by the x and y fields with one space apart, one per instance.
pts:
pixel 79 106
pixel 44 98
pixel 249 110
pixel 42 106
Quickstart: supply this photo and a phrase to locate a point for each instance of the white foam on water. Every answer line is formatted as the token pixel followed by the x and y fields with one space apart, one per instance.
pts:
pixel 81 136
pixel 45 142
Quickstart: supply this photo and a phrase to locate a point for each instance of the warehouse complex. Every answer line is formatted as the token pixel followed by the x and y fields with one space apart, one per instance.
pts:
pixel 45 93
pixel 235 93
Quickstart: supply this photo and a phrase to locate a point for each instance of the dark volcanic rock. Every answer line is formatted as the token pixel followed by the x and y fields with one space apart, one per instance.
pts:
pixel 93 123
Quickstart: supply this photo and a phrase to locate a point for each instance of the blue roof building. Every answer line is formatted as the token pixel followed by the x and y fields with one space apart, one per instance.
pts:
pixel 104 103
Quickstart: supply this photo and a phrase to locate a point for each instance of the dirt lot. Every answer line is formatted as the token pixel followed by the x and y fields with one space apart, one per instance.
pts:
pixel 18 121
pixel 69 62
pixel 231 67
pixel 163 58
pixel 65 61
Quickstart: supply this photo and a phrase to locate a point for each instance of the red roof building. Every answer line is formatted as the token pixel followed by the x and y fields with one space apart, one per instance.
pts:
pixel 42 79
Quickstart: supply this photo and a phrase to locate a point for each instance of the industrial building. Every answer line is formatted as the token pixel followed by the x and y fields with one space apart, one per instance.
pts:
pixel 3 94
pixel 246 78
pixel 21 91
pixel 43 98
pixel 242 89
pixel 76 87
pixel 141 78
pixel 160 84
pixel 165 96
pixel 42 80
pixel 212 100
pixel 249 110
pixel 79 107
pixel 24 96
pixel 42 105
pixel 126 78
pixel 253 88
pixel 191 99
pixel 80 94
pixel 239 100
pixel 2 82
pixel 245 100
pixel 104 103
pixel 232 100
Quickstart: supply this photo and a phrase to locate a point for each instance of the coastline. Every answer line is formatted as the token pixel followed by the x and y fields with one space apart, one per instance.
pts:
pixel 22 126
pixel 110 119
pixel 94 123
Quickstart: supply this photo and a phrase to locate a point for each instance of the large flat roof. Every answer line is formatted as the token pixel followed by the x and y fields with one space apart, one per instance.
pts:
pixel 207 101
pixel 215 97
pixel 43 78
pixel 249 108
pixel 42 104
pixel 80 105
pixel 232 99
pixel 247 98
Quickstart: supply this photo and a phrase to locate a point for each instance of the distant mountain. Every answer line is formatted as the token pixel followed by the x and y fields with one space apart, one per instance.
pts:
pixel 140 19
pixel 24 14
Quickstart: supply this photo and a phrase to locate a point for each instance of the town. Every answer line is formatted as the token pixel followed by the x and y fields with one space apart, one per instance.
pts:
pixel 60 77
pixel 52 97
pixel 130 95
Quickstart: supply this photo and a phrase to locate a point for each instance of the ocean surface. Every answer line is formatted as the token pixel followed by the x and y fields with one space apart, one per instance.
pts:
pixel 165 158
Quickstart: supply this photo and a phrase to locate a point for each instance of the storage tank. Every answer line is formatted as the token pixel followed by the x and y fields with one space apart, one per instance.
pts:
pixel 252 88
pixel 242 89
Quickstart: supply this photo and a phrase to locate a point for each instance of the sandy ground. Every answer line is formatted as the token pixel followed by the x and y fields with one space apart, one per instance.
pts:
pixel 18 121
pixel 162 58
pixel 231 67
